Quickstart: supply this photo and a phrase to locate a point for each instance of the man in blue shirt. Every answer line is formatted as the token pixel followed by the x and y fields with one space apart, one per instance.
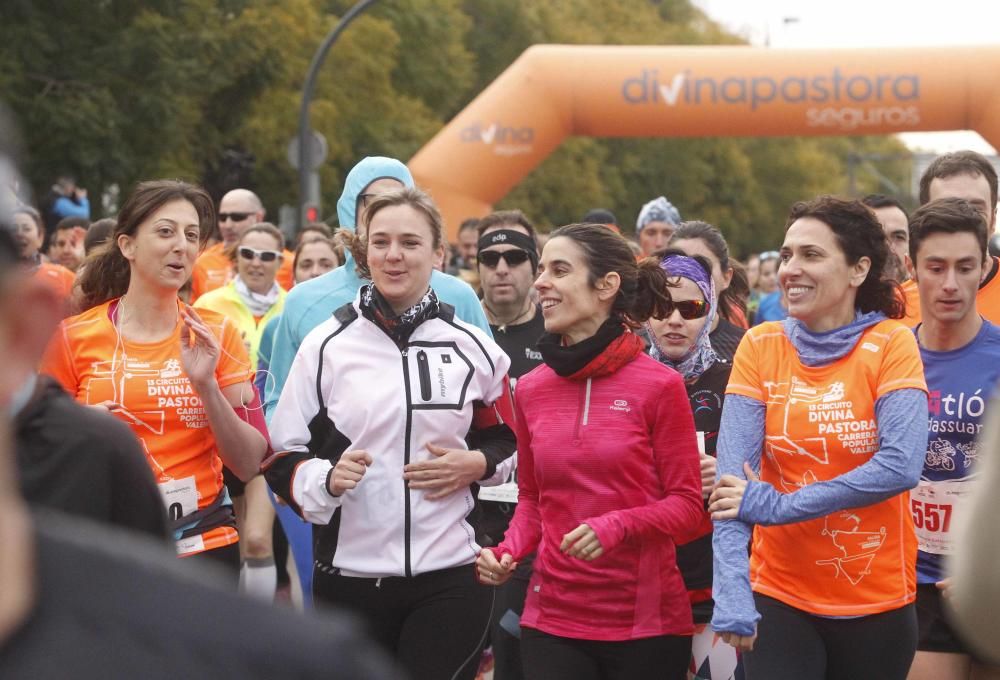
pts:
pixel 961 355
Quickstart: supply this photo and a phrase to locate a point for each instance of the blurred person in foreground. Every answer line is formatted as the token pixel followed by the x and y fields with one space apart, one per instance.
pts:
pixel 77 599
pixel 974 597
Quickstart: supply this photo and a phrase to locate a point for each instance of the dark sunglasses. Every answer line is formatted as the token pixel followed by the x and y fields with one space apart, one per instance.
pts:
pixel 264 255
pixel 491 258
pixel 234 216
pixel 689 309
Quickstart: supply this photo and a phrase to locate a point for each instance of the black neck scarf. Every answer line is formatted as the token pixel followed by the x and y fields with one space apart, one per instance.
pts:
pixel 399 327
pixel 571 359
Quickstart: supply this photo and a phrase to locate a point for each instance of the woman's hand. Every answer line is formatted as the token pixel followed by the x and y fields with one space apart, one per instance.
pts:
pixel 200 349
pixel 707 475
pixel 348 471
pixel 725 500
pixel 583 543
pixel 493 572
pixel 945 586
pixel 742 643
pixel 106 406
pixel 447 472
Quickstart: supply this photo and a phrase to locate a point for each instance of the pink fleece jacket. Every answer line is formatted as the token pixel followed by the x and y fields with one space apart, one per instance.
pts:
pixel 618 453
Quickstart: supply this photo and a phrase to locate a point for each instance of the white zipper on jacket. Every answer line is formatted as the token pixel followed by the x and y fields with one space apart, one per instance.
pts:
pixel 407 568
pixel 586 404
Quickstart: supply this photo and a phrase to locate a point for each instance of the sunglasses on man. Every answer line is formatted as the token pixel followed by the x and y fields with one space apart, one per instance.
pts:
pixel 491 258
pixel 234 216
pixel 689 309
pixel 264 255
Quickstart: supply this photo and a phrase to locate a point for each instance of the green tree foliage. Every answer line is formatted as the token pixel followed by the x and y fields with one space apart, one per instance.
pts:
pixel 121 90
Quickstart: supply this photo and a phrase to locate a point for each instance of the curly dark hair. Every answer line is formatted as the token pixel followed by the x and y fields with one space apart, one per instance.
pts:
pixel 859 234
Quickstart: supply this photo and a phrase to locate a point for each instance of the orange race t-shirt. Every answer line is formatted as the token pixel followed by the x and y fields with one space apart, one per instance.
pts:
pixel 94 364
pixel 911 296
pixel 820 424
pixel 213 269
pixel 56 276
pixel 988 298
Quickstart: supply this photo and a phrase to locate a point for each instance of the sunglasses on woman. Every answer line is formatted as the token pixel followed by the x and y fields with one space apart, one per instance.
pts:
pixel 689 309
pixel 264 255
pixel 491 258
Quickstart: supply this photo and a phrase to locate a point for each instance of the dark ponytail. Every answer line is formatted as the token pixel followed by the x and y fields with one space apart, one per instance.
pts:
pixel 106 272
pixel 643 292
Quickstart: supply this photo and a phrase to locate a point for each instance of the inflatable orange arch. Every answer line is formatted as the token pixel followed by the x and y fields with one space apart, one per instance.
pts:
pixel 554 91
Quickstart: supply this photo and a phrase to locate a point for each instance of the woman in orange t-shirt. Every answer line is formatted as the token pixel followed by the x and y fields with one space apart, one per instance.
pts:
pixel 831 406
pixel 180 379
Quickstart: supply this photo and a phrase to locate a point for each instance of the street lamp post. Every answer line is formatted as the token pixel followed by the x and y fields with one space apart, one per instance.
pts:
pixel 305 162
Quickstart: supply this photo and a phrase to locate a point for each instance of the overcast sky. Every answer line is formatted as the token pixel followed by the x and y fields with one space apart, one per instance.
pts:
pixel 867 23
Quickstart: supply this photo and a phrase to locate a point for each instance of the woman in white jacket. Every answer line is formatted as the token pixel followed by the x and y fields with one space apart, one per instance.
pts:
pixel 392 409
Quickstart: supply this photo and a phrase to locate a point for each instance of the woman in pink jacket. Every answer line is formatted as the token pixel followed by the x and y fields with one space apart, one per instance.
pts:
pixel 608 474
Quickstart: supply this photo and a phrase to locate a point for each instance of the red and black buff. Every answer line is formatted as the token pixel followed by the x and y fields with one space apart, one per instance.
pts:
pixel 603 353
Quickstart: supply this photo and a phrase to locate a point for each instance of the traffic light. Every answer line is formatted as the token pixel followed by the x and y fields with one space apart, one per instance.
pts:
pixel 310 213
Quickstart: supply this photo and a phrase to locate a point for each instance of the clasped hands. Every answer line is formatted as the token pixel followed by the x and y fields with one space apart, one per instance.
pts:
pixel 724 501
pixel 448 471
pixel 581 543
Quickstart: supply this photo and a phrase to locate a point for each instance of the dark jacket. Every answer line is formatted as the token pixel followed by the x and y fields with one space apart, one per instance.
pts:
pixel 77 460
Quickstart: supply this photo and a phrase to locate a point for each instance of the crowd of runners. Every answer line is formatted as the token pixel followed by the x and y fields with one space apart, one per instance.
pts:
pixel 575 454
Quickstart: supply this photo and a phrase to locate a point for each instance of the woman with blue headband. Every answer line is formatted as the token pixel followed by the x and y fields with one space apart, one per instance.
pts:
pixel 681 341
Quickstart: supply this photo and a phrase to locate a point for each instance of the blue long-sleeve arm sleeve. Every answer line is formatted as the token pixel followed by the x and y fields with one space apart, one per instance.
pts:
pixel 901 417
pixel 741 438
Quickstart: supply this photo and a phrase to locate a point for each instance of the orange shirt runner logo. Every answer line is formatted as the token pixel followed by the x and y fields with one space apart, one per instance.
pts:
pixel 820 424
pixel 155 398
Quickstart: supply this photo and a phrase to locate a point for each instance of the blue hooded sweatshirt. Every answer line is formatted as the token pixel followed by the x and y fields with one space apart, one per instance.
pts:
pixel 312 302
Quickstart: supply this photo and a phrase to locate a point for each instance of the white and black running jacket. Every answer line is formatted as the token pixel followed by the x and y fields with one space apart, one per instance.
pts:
pixel 352 387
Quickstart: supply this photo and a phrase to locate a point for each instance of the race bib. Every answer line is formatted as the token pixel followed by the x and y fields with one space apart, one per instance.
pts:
pixel 180 496
pixel 191 544
pixel 503 493
pixel 933 504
